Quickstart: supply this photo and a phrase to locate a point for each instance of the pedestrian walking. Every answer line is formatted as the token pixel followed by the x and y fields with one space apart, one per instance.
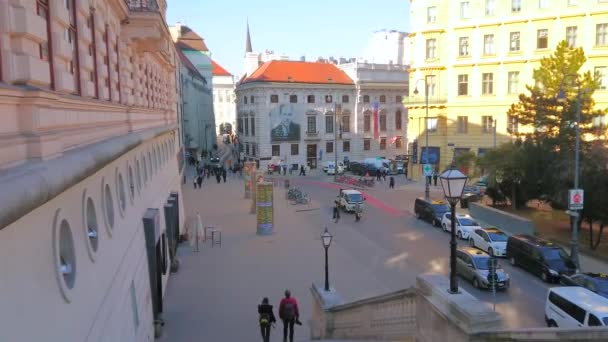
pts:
pixel 194 180
pixel 284 169
pixel 218 177
pixel 358 211
pixel 336 211
pixel 391 183
pixel 199 180
pixel 289 314
pixel 435 175
pixel 302 171
pixel 224 174
pixel 378 175
pixel 384 172
pixel 266 319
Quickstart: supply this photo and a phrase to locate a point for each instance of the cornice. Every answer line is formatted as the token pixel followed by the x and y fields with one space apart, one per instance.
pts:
pixel 543 19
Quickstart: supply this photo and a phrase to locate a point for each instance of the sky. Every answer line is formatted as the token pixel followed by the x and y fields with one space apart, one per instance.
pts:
pixel 311 28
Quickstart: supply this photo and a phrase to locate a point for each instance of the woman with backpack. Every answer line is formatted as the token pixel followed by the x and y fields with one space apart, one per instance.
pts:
pixel 266 319
pixel 289 313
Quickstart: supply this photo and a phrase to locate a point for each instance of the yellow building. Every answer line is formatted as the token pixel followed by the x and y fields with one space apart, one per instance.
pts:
pixel 475 57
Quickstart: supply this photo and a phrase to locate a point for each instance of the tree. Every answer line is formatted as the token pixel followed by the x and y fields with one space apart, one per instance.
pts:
pixel 594 181
pixel 466 162
pixel 505 167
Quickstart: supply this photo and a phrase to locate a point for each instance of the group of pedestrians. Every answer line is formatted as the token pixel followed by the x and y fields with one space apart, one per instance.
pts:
pixel 288 313
pixel 207 171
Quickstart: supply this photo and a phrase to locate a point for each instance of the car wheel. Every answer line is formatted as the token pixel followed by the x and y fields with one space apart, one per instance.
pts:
pixel 471 242
pixel 544 277
pixel 418 215
pixel 552 324
pixel 476 283
pixel 445 229
pixel 459 235
pixel 490 251
pixel 512 261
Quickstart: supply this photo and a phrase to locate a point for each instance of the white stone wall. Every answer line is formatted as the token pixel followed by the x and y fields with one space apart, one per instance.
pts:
pixel 224 105
pixel 36 304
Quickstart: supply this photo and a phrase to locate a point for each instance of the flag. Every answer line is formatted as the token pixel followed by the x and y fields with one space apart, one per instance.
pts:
pixel 393 139
pixel 376 123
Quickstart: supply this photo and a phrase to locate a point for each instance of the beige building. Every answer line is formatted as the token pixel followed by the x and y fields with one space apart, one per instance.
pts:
pixel 477 56
pixel 90 168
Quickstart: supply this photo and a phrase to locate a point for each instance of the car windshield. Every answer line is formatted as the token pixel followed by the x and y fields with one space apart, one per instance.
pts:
pixel 355 198
pixel 481 263
pixel 554 254
pixel 602 285
pixel 441 208
pixel 498 237
pixel 465 221
pixel 605 319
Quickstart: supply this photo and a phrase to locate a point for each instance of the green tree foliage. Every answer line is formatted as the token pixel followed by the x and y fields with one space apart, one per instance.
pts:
pixel 466 162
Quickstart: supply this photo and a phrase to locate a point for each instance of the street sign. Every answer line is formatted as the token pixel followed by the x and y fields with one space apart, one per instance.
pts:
pixel 576 199
pixel 427 169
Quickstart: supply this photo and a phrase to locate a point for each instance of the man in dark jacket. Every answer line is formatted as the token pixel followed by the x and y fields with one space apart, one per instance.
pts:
pixel 266 319
pixel 289 314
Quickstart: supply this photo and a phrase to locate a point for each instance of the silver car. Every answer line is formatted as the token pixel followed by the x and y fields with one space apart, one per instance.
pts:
pixel 472 265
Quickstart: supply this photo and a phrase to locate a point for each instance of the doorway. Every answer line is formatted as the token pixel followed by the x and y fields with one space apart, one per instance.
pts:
pixel 311 156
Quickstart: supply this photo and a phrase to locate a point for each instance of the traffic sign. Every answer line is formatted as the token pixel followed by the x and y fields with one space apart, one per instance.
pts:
pixel 576 199
pixel 427 169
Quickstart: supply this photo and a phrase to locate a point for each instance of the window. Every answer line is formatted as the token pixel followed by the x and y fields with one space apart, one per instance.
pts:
pixel 431 14
pixel 252 126
pixel 42 9
pixel 310 99
pixel 601 34
pixel 274 98
pixel 463 85
pixel 345 99
pixel 487 124
pixel 246 126
pixel 367 144
pixel 431 125
pixel 464 10
pixel 487 85
pixel 276 150
pixel 328 98
pixel 365 98
pixel 346 146
pixel 383 121
pixel 594 321
pixel 430 48
pixel 542 39
pixel 247 148
pixel 245 99
pixel 367 120
pixel 73 40
pixel 463 46
pixel 311 127
pixel 399 99
pixel 295 149
pixel 329 123
pixel 382 99
pixel 490 7
pixel 571 36
pixel 543 3
pixel 383 143
pixel 514 44
pixel 600 74
pixel 488 44
pixel 513 86
pixel 253 149
pixel 251 99
pixel 345 128
pixel 516 6
pixel 431 84
pixel 293 98
pixel 463 124
pixel 239 125
pixel 398 120
pixel 512 124
pixel 398 142
pixel 329 147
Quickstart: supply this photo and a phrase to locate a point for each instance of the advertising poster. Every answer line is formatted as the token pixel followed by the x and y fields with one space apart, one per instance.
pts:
pixel 264 212
pixel 283 123
pixel 248 169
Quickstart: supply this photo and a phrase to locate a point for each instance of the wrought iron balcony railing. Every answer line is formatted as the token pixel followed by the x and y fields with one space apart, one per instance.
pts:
pixel 143 5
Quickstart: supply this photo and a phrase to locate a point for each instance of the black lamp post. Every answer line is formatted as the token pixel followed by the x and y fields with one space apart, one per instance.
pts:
pixel 453 182
pixel 326 239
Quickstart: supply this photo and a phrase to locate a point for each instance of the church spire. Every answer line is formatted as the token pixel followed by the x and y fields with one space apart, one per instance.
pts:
pixel 248 44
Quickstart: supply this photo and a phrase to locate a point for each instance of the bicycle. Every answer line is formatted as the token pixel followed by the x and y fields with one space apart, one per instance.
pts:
pixel 301 199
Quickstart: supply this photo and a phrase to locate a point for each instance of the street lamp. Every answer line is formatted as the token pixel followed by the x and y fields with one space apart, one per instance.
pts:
pixel 561 98
pixel 426 128
pixel 326 239
pixel 453 182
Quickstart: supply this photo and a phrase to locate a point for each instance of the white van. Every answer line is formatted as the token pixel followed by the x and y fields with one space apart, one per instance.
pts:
pixel 574 306
pixel 329 167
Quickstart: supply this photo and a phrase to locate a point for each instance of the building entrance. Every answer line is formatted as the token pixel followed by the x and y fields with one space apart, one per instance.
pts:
pixel 311 156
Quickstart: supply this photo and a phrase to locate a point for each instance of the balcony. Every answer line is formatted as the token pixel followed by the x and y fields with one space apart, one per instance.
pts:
pixel 420 101
pixel 312 135
pixel 146 28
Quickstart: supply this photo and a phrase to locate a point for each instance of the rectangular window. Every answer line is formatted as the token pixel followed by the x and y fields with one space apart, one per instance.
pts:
pixel 490 7
pixel 463 124
pixel 512 124
pixel 345 98
pixel 463 46
pixel 542 39
pixel 430 48
pixel 295 149
pixel 383 122
pixel 246 148
pixel 252 126
pixel 487 85
pixel 382 99
pixel 310 99
pixel 431 15
pixel 487 124
pixel 398 99
pixel 513 87
pixel 253 149
pixel 488 44
pixel 329 147
pixel 276 150
pixel 431 125
pixel 398 142
pixel 311 127
pixel 398 120
pixel 293 98
pixel 464 10
pixel 345 124
pixel 252 99
pixel 383 143
pixel 431 82
pixel 367 144
pixel 571 36
pixel 601 34
pixel 601 76
pixel 514 41
pixel 329 123
pixel 367 122
pixel 543 3
pixel 365 98
pixel 274 98
pixel 42 9
pixel 515 6
pixel 346 146
pixel 463 85
pixel 246 126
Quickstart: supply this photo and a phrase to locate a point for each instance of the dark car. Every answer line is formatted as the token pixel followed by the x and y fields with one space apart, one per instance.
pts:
pixel 596 282
pixel 540 257
pixel 356 168
pixel 430 210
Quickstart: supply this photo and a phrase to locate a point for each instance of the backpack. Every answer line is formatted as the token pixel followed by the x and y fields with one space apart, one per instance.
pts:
pixel 289 311
pixel 264 319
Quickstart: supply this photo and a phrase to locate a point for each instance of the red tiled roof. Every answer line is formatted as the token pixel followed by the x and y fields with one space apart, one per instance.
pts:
pixel 299 72
pixel 189 40
pixel 218 70
pixel 187 62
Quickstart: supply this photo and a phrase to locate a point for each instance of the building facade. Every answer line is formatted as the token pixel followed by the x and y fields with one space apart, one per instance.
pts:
pixel 224 105
pixel 475 58
pixel 91 163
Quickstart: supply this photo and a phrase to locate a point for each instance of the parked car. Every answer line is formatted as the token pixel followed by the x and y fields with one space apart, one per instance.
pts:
pixel 540 257
pixel 492 240
pixel 473 265
pixel 596 282
pixel 329 167
pixel 349 199
pixel 430 210
pixel 465 225
pixel 355 168
pixel 574 307
pixel 473 190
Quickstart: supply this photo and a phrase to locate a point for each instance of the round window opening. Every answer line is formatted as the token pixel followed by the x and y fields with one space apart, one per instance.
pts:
pixel 67 257
pixel 91 225
pixel 109 206
pixel 131 183
pixel 122 196
pixel 151 171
